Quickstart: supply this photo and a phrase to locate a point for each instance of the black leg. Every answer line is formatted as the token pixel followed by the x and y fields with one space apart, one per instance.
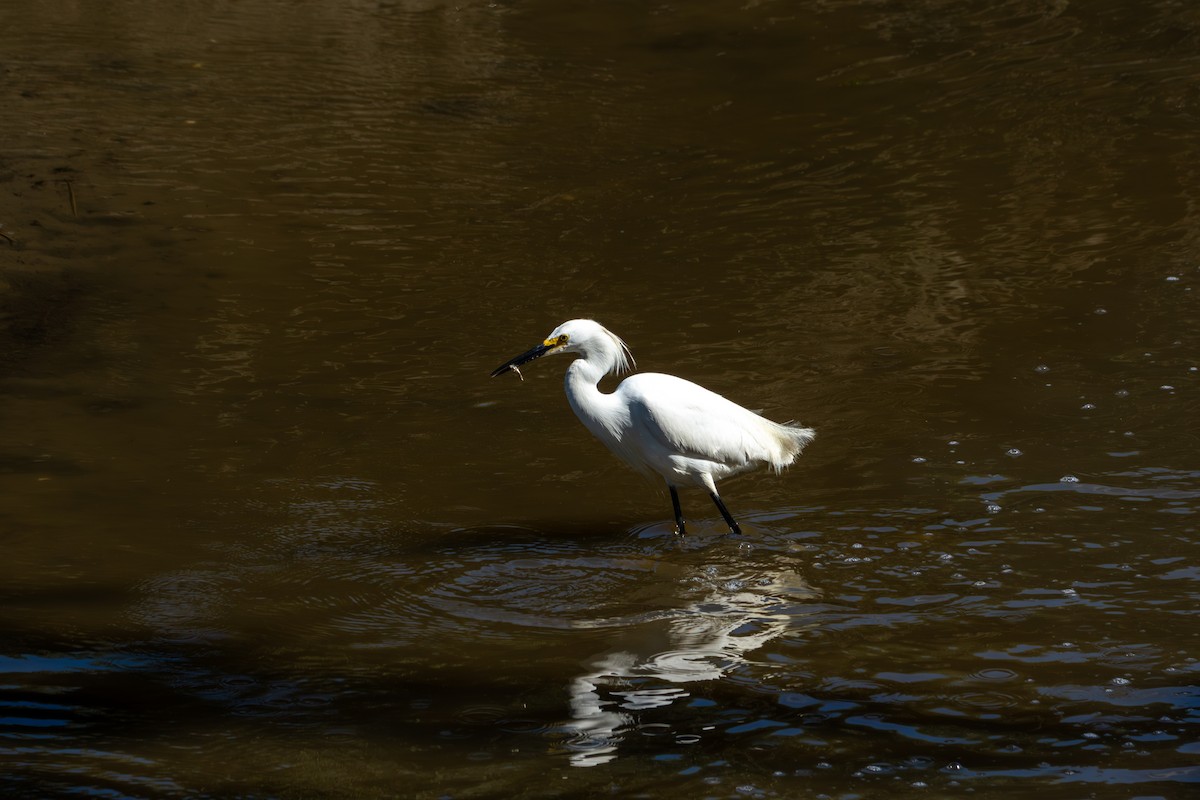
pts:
pixel 729 520
pixel 678 511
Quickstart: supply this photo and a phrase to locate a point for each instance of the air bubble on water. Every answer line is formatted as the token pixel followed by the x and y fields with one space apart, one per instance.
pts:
pixel 919 459
pixel 1172 278
pixel 1013 452
pixel 1121 393
pixel 960 462
pixel 1069 592
pixel 1121 681
pixel 946 557
pixel 1101 311
pixel 1091 735
pixel 1088 406
pixel 953 442
pixel 856 546
pixel 1166 387
pixel 992 508
pixel 1041 369
pixel 1068 479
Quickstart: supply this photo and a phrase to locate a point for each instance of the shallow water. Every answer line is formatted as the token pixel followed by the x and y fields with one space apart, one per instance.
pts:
pixel 271 531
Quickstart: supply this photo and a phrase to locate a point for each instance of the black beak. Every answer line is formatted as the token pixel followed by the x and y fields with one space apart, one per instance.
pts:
pixel 524 358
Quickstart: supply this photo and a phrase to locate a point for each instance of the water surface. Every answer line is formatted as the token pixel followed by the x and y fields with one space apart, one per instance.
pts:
pixel 270 530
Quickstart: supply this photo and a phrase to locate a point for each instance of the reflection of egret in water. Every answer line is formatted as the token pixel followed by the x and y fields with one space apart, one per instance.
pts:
pixel 730 616
pixel 660 615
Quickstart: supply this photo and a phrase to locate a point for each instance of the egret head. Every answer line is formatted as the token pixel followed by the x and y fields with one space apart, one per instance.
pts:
pixel 584 336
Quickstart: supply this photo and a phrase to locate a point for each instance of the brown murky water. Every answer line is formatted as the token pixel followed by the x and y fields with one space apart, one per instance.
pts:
pixel 269 530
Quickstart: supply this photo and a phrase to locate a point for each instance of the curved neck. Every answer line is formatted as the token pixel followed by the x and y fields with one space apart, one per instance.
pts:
pixel 600 412
pixel 589 369
pixel 593 407
pixel 598 356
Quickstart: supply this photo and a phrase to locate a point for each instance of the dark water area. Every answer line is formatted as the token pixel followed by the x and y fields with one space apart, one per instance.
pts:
pixel 269 530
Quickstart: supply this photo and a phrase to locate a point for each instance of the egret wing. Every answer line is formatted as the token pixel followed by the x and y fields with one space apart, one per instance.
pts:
pixel 687 420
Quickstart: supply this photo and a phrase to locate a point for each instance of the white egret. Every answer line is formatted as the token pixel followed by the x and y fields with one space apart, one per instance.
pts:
pixel 662 424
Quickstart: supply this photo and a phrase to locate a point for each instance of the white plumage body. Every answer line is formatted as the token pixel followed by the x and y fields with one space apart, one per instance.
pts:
pixel 661 424
pixel 687 434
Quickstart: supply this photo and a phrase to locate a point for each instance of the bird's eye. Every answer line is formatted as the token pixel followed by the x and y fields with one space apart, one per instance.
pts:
pixel 563 339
